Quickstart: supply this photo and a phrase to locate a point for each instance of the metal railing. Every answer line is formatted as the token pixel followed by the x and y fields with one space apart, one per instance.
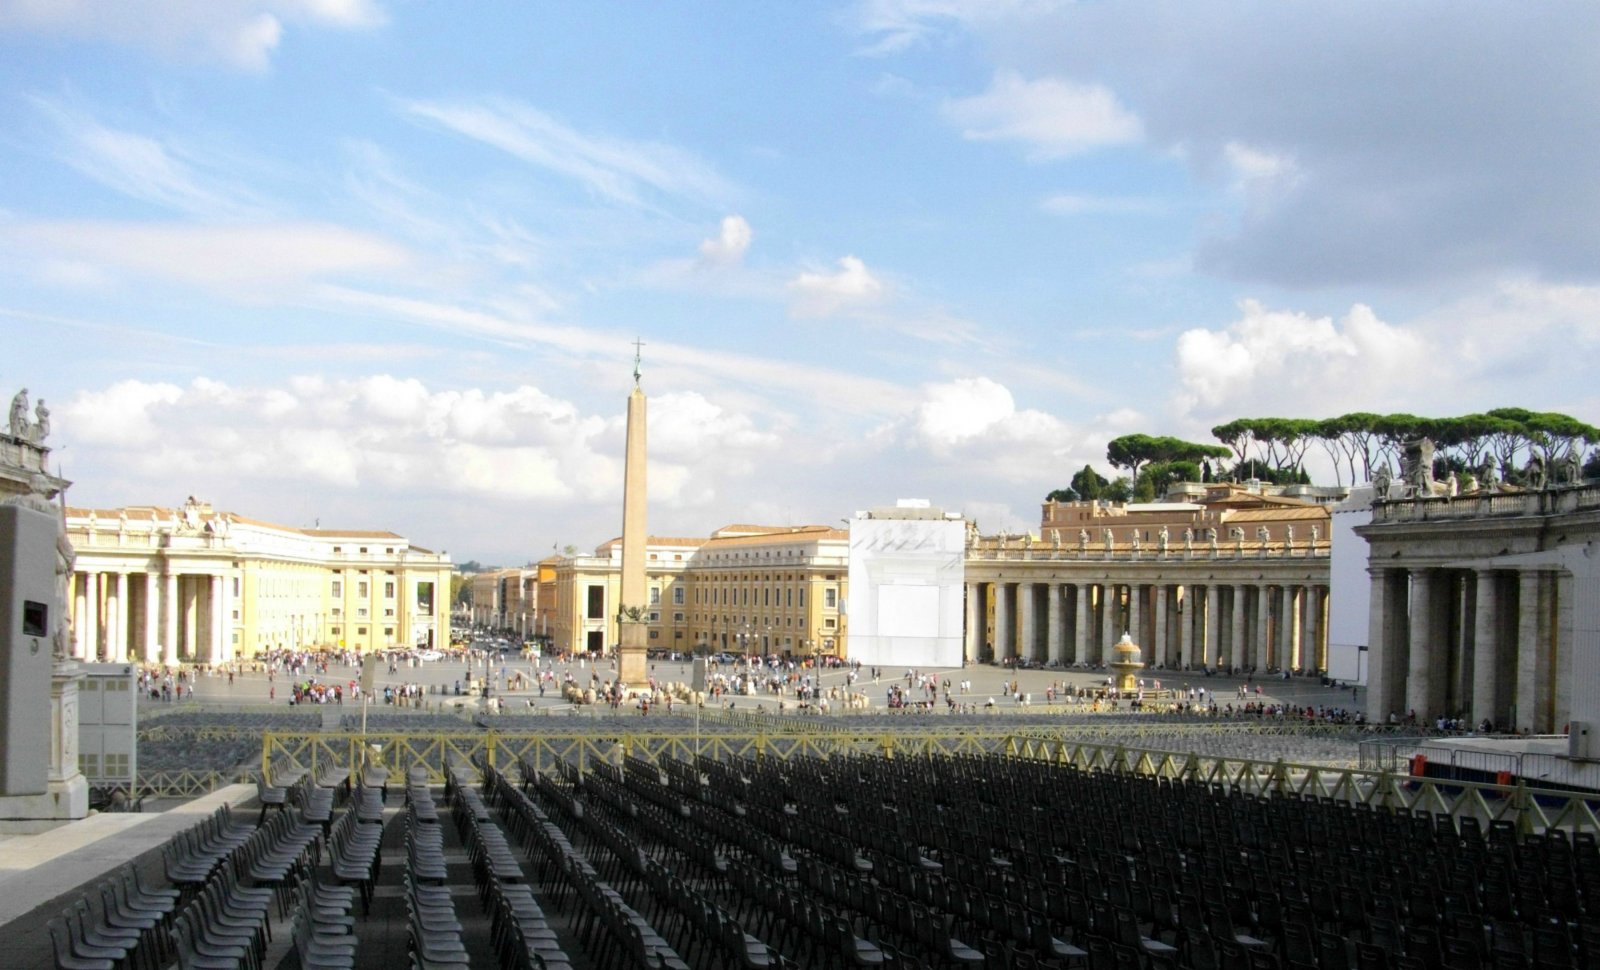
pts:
pixel 1529 808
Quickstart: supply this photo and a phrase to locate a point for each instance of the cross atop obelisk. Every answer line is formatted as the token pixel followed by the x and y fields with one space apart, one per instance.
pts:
pixel 633 607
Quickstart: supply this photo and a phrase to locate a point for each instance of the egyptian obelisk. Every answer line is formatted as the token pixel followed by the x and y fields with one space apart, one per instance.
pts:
pixel 633 609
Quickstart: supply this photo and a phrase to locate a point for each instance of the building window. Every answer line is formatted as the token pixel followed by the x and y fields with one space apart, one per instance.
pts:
pixel 389 611
pixel 361 613
pixel 655 616
pixel 655 596
pixel 830 598
pixel 655 634
pixel 597 603
pixel 388 591
pixel 677 617
pixel 361 589
pixel 802 597
pixel 677 596
pixel 388 631
pixel 363 550
pixel 361 631
pixel 338 588
pixel 828 623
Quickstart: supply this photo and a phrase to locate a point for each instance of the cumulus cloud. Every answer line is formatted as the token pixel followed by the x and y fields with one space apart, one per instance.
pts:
pixel 1054 117
pixel 242 34
pixel 1291 360
pixel 396 435
pixel 730 244
pixel 815 294
pixel 974 416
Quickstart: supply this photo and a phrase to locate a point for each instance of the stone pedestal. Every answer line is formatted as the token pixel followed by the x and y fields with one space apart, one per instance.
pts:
pixel 632 667
pixel 66 794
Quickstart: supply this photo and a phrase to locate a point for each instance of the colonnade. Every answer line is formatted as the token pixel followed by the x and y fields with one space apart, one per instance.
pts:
pixel 122 616
pixel 1477 642
pixel 1263 625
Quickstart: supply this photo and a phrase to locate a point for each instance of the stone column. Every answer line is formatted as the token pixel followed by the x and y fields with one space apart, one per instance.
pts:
pixel 1004 638
pixel 1028 613
pixel 152 620
pixel 117 638
pixel 1288 657
pixel 227 619
pixel 1237 635
pixel 1529 651
pixel 91 617
pixel 1082 624
pixel 1258 650
pixel 1213 639
pixel 1380 685
pixel 1110 628
pixel 214 614
pixel 1052 617
pixel 1136 617
pixel 1310 628
pixel 169 616
pixel 1159 636
pixel 1485 651
pixel 1192 596
pixel 975 617
pixel 1419 673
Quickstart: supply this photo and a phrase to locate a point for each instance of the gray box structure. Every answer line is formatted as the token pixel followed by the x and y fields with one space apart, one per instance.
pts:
pixel 108 726
pixel 28 605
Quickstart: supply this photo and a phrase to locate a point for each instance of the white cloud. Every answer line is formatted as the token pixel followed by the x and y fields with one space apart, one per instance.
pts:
pixel 898 25
pixel 1071 204
pixel 615 168
pixel 1294 362
pixel 730 244
pixel 813 294
pixel 140 166
pixel 227 258
pixel 1054 117
pixel 243 34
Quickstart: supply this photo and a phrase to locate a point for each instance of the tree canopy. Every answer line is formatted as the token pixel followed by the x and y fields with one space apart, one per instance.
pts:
pixel 1274 449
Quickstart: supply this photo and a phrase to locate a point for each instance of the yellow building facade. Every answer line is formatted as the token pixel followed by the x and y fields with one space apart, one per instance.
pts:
pixel 194 585
pixel 745 589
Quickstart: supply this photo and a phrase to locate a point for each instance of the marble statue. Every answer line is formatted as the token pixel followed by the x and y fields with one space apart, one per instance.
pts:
pixel 41 424
pixel 1488 480
pixel 1188 542
pixel 19 414
pixel 1288 537
pixel 1452 484
pixel 1211 540
pixel 1136 543
pixel 1316 533
pixel 1162 538
pixel 1237 535
pixel 1381 480
pixel 1055 540
pixel 1108 540
pixel 1571 467
pixel 1083 541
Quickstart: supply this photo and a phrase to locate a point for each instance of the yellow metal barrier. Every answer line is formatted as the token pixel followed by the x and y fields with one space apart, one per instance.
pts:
pixel 1530 809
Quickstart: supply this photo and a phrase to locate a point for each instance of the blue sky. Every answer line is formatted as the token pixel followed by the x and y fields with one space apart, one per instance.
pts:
pixel 380 264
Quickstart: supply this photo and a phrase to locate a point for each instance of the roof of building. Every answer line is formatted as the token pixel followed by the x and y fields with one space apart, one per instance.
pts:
pixel 1279 514
pixel 157 513
pixel 778 534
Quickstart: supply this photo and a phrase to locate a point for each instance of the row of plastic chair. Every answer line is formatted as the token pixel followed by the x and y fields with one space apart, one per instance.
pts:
pixel 522 936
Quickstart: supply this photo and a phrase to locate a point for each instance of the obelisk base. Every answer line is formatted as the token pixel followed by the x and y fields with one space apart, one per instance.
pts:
pixel 632 665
